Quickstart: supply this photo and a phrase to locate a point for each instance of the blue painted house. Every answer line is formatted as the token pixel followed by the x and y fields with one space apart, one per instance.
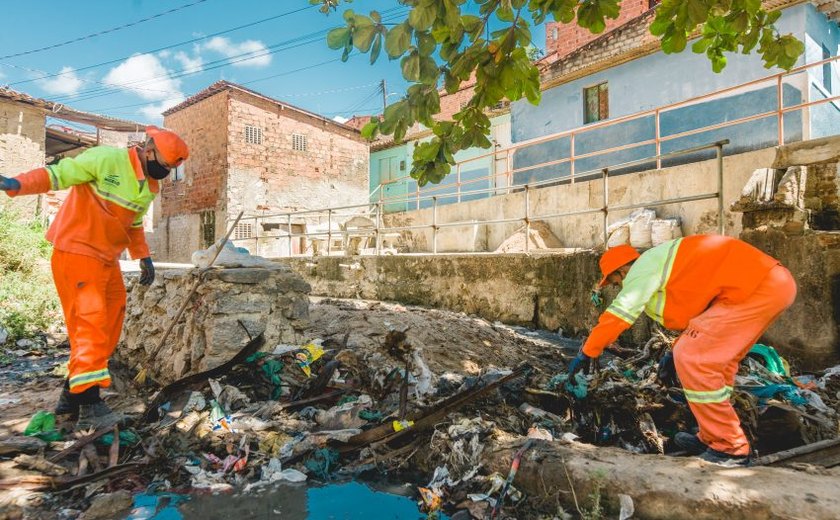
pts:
pixel 620 90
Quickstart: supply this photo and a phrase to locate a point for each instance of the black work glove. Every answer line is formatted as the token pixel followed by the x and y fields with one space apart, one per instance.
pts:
pixel 667 372
pixel 578 363
pixel 147 271
pixel 7 184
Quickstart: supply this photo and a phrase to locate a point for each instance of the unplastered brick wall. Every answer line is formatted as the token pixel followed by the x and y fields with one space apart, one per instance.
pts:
pixel 203 126
pixel 564 38
pixel 268 174
pixel 22 138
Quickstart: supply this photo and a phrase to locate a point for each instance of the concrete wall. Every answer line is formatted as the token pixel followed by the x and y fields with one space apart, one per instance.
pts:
pixel 822 38
pixel 549 291
pixel 587 230
pixel 22 141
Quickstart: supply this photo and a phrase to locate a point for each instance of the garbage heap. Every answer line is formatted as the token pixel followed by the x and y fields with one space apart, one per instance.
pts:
pixel 335 407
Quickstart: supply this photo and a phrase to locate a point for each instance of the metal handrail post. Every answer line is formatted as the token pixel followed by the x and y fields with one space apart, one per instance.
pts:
pixel 256 236
pixel 780 116
pixel 434 224
pixel 658 142
pixel 527 219
pixel 379 228
pixel 719 153
pixel 458 180
pixel 572 157
pixel 329 232
pixel 606 176
pixel 289 231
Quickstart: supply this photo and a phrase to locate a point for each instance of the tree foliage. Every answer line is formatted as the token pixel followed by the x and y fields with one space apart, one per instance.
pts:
pixel 440 44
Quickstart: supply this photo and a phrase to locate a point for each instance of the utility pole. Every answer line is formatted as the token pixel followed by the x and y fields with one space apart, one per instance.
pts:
pixel 384 87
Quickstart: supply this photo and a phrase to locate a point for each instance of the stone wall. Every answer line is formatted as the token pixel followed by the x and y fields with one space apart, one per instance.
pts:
pixel 22 145
pixel 549 291
pixel 213 328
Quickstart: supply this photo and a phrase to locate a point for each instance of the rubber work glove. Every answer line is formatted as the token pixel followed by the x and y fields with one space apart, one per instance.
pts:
pixel 666 371
pixel 578 363
pixel 7 184
pixel 147 271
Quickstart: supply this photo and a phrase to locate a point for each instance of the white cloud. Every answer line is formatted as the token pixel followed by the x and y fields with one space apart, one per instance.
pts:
pixel 153 111
pixel 66 84
pixel 226 47
pixel 341 120
pixel 189 64
pixel 145 76
pixel 164 54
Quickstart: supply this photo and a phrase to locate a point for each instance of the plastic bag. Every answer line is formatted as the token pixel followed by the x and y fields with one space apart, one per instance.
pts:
pixel 662 230
pixel 640 221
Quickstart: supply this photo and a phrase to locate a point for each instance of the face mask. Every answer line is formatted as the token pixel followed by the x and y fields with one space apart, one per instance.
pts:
pixel 156 170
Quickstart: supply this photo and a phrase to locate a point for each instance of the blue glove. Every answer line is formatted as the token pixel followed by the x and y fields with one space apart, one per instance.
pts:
pixel 147 271
pixel 578 363
pixel 7 184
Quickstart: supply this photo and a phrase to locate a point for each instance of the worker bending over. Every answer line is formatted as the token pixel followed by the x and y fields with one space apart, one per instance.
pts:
pixel 723 294
pixel 112 188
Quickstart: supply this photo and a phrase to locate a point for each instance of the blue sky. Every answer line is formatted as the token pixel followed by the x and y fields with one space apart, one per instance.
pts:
pixel 137 71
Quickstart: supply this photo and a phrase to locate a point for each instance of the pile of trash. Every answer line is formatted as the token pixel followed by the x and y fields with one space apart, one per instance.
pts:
pixel 340 408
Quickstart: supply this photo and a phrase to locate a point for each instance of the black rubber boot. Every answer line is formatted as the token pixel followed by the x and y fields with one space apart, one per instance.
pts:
pixel 97 416
pixel 690 443
pixel 725 459
pixel 68 404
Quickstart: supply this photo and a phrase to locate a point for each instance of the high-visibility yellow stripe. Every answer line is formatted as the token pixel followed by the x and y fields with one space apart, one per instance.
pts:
pixel 117 200
pixel 90 377
pixel 659 298
pixel 711 396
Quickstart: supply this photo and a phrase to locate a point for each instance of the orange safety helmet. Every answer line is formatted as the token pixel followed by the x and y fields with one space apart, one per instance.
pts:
pixel 614 258
pixel 172 148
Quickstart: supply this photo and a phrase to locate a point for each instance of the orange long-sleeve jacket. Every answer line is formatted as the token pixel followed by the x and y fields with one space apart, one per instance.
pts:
pixel 677 280
pixel 103 215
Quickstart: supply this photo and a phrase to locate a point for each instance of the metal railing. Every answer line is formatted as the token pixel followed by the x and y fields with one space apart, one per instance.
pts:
pixel 504 181
pixel 378 231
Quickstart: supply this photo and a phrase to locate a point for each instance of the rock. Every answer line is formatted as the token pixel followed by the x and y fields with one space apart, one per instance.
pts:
pixel 540 236
pixel 25 343
pixel 242 275
pixel 229 306
pixel 21 444
pixel 4 335
pixel 813 151
pixel 109 505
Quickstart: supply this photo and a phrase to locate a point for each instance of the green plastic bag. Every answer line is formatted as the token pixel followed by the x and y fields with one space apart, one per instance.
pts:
pixel 42 426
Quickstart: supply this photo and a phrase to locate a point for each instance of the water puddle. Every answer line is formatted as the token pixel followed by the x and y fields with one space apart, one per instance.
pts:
pixel 345 501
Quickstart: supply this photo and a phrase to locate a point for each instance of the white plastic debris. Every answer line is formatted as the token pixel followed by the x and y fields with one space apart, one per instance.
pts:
pixel 640 222
pixel 627 507
pixel 230 256
pixel 274 472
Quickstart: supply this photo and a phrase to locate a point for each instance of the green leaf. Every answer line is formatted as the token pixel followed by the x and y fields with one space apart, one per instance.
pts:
pixel 422 17
pixel 377 47
pixel 426 44
pixel 411 67
pixel 349 15
pixel 429 71
pixel 718 62
pixel 338 37
pixel 363 37
pixel 701 45
pixel 398 40
pixel 376 16
pixel 371 129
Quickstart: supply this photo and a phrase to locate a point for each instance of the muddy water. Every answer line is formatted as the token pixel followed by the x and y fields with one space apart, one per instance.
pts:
pixel 344 501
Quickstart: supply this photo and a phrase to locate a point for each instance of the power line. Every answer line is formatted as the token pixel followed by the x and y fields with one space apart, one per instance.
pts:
pixel 159 49
pixel 100 33
pixel 293 43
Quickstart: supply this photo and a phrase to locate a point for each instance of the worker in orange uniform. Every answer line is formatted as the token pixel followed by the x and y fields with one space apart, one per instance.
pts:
pixel 112 188
pixel 723 294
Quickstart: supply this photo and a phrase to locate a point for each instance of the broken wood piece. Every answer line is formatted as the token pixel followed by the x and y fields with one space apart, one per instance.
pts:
pixel 150 414
pixel 20 444
pixel 81 443
pixel 40 464
pixel 114 451
pixel 823 453
pixel 426 419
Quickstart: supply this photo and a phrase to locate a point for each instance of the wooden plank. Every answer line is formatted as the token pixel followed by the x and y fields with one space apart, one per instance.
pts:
pixel 810 453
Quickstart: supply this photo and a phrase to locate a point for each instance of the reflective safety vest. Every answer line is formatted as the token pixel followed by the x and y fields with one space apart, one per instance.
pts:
pixel 677 280
pixel 103 214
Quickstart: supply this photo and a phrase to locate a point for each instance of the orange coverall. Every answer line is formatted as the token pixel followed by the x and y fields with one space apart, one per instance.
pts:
pixel 723 293
pixel 102 216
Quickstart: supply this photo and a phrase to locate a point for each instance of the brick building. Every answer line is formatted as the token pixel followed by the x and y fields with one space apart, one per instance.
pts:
pixel 252 153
